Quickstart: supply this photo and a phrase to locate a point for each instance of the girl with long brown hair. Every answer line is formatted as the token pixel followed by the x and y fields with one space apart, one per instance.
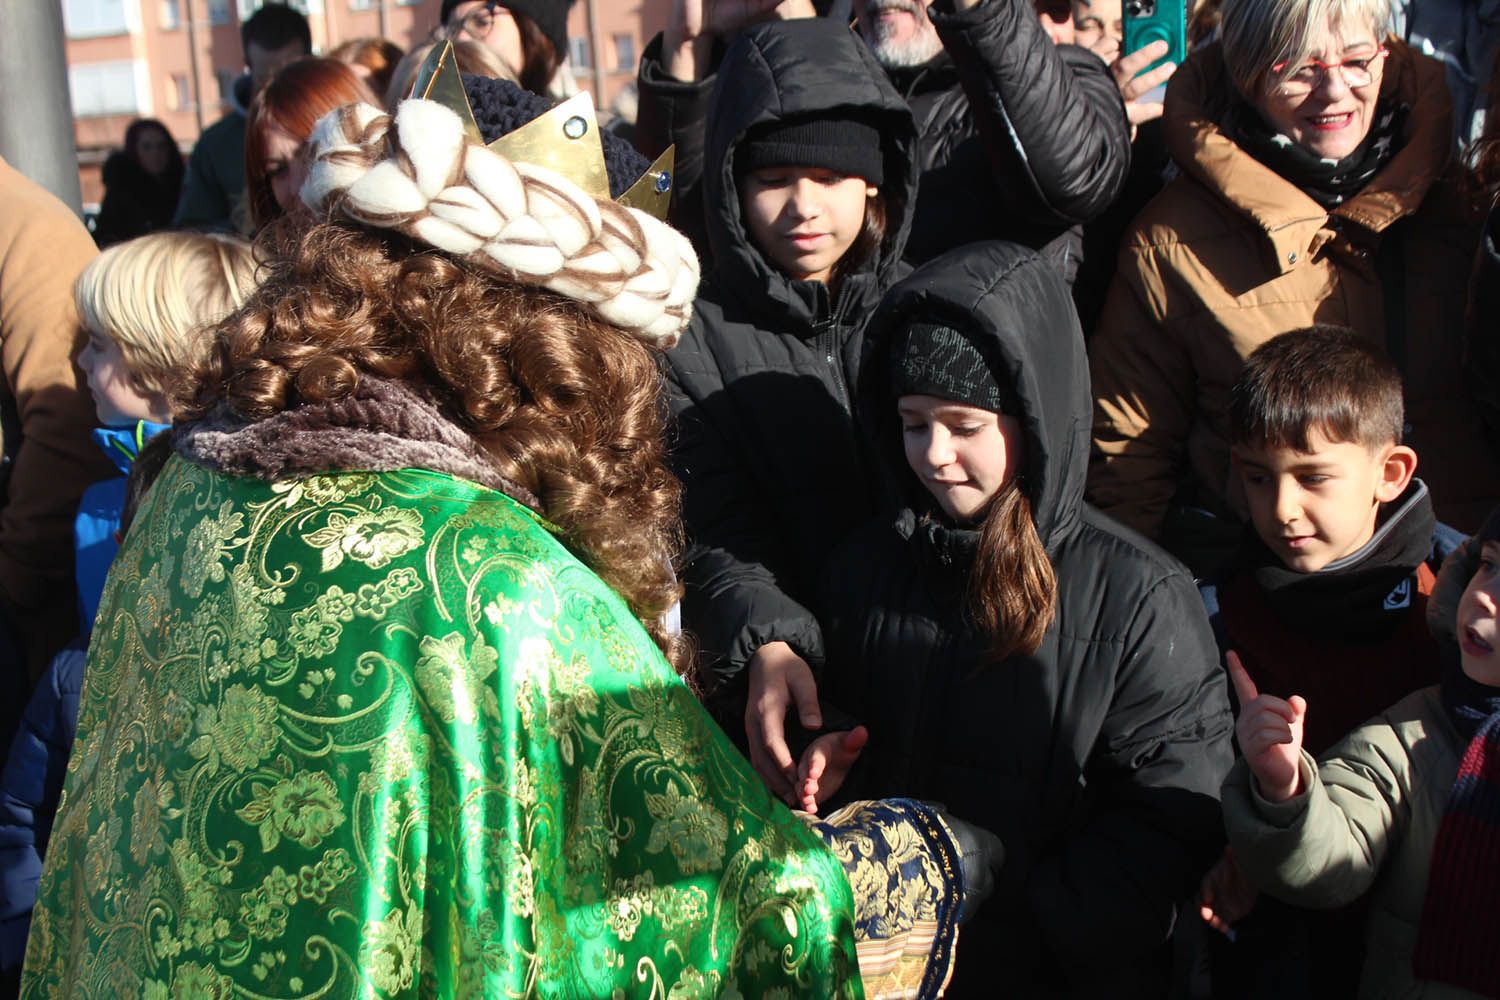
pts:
pixel 1010 652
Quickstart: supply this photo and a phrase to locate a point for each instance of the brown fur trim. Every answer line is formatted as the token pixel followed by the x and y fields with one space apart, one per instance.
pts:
pixel 381 427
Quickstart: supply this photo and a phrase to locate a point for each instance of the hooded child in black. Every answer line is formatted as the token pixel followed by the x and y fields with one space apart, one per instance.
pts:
pixel 1094 748
pixel 765 442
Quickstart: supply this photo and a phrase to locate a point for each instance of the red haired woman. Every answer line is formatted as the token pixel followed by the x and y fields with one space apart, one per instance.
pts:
pixel 281 118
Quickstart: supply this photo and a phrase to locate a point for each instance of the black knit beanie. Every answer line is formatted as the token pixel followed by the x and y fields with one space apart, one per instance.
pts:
pixel 932 360
pixel 501 107
pixel 550 15
pixel 844 145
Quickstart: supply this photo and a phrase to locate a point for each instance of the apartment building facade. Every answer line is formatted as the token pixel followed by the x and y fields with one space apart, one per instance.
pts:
pixel 177 60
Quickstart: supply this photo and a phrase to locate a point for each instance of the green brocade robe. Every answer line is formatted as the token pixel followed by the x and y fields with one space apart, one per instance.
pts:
pixel 371 735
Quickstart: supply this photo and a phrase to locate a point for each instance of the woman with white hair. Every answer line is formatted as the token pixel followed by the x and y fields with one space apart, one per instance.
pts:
pixel 1315 155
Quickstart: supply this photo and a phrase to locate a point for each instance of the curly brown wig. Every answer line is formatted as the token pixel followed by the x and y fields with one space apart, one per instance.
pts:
pixel 564 404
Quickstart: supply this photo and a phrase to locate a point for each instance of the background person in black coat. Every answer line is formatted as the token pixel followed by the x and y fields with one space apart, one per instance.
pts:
pixel 761 382
pixel 1043 672
pixel 1018 138
pixel 142 183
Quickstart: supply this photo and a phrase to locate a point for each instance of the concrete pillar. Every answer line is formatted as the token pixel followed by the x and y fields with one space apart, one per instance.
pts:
pixel 36 116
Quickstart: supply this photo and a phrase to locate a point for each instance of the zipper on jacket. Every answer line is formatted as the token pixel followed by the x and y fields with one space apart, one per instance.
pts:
pixel 828 345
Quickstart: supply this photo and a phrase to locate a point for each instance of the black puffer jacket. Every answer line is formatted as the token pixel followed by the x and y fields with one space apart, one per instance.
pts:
pixel 1018 138
pixel 761 382
pixel 1097 760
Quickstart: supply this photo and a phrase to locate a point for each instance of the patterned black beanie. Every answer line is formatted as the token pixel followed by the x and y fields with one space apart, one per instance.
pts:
pixel 932 360
pixel 550 15
pixel 844 145
pixel 501 107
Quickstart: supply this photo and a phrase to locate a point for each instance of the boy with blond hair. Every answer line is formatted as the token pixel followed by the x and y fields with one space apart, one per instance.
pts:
pixel 148 306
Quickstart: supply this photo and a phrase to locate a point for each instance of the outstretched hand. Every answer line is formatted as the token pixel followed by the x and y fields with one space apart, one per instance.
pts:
pixel 825 764
pixel 779 679
pixel 1226 896
pixel 1270 735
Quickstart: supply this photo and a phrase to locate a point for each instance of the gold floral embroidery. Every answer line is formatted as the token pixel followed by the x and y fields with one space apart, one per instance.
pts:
pixel 386 736
pixel 373 537
pixel 305 808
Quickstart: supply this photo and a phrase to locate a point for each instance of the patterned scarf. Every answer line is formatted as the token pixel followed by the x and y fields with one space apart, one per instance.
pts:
pixel 1456 941
pixel 1328 182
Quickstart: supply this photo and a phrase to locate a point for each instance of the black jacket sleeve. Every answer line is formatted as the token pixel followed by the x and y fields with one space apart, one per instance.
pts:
pixel 734 606
pixel 1111 890
pixel 674 113
pixel 1050 115
pixel 732 602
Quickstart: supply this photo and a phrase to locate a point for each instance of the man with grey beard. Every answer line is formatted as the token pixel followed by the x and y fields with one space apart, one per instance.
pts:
pixel 1019 139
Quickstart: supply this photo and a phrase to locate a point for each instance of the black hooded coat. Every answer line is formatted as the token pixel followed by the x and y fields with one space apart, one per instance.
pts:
pixel 761 382
pixel 1097 759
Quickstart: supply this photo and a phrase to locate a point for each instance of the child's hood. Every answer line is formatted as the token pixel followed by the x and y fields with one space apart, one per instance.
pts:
pixel 781 70
pixel 1453 579
pixel 1017 309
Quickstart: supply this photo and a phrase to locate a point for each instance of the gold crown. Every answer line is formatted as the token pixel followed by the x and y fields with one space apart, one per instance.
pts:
pixel 565 139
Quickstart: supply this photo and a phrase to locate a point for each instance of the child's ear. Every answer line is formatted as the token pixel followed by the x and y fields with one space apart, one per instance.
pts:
pixel 1399 465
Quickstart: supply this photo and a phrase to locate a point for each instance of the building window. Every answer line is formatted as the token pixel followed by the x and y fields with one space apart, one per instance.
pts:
pixel 171 14
pixel 361 4
pixel 97 18
pixel 624 53
pixel 108 88
pixel 218 11
pixel 182 95
pixel 578 52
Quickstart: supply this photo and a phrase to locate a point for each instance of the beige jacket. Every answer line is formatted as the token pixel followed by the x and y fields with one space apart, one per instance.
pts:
pixel 1230 254
pixel 43 247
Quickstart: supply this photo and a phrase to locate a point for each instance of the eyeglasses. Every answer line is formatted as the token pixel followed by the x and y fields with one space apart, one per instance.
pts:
pixel 1357 72
pixel 478 23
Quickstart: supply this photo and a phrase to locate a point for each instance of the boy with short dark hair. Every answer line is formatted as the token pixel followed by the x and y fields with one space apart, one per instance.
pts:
pixel 1327 597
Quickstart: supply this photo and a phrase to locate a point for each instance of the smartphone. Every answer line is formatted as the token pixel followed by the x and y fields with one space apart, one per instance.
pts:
pixel 1148 21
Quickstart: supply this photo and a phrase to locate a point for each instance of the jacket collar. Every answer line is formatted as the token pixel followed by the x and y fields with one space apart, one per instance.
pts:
pixel 1295 226
pixel 382 426
pixel 122 444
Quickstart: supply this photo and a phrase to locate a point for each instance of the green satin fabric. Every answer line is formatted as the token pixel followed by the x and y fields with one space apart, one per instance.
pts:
pixel 383 735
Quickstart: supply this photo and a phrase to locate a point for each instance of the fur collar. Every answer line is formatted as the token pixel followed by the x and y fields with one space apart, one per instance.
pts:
pixel 381 427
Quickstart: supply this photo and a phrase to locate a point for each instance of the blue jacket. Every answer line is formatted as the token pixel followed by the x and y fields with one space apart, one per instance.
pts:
pixel 33 776
pixel 98 521
pixel 29 790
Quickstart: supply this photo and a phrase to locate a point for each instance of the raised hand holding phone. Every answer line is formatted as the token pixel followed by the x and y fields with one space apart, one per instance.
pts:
pixel 1141 87
pixel 1270 735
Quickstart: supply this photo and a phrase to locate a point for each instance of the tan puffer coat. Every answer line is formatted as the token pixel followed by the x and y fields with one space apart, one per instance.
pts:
pixel 1231 254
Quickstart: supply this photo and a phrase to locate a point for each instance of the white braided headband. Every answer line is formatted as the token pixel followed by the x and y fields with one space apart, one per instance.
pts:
pixel 424 179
